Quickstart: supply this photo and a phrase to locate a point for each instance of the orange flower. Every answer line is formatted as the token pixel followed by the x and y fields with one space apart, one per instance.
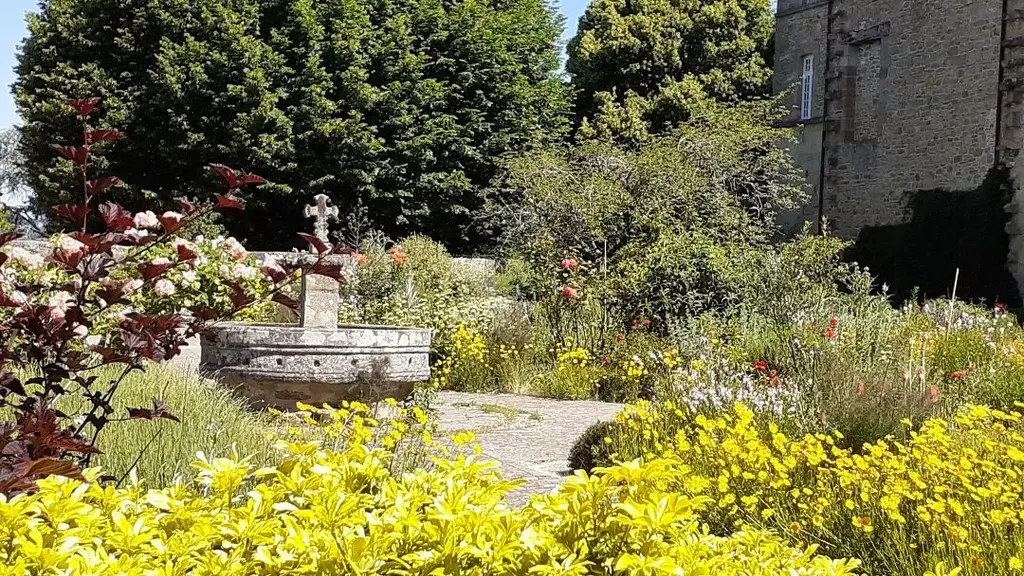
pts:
pixel 397 255
pixel 360 258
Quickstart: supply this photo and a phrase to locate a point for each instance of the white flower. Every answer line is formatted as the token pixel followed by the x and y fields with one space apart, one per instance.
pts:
pixel 226 272
pixel 59 300
pixel 160 261
pixel 164 287
pixel 189 276
pixel 234 248
pixel 80 331
pixel 146 220
pixel 93 340
pixel 18 298
pixel 243 271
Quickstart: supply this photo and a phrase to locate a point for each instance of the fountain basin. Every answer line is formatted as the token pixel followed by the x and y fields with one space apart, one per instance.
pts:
pixel 281 364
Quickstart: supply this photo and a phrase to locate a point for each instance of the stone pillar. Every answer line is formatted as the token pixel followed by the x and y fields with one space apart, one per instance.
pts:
pixel 321 298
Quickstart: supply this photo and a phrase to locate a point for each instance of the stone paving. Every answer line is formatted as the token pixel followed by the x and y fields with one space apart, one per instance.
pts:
pixel 530 437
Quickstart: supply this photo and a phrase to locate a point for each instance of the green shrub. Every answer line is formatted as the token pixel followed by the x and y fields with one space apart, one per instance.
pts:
pixel 590 450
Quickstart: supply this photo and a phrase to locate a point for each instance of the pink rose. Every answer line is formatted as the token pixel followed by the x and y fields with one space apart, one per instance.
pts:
pixel 146 219
pixel 569 293
pixel 236 250
pixel 570 264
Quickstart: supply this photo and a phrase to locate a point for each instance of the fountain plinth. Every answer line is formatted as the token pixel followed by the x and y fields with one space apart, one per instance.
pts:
pixel 317 361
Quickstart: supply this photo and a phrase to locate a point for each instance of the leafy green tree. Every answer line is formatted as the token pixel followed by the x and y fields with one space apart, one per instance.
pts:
pixel 400 107
pixel 641 65
pixel 665 229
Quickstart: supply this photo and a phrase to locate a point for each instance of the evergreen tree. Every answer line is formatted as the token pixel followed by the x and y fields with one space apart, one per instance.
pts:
pixel 641 65
pixel 400 106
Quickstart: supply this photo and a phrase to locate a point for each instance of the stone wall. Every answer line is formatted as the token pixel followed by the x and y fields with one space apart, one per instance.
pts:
pixel 912 105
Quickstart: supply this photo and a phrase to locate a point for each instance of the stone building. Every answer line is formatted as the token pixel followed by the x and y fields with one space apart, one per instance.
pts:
pixel 908 117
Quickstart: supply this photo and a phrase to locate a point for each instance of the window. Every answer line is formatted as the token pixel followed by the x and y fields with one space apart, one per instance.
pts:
pixel 807 88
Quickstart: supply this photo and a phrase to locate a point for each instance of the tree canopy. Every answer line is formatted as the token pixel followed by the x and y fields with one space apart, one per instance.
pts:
pixel 400 107
pixel 638 65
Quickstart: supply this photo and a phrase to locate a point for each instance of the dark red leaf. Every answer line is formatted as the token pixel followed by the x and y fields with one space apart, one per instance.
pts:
pixel 229 175
pixel 171 224
pixel 8 237
pixel 230 201
pixel 102 135
pixel 101 184
pixel 286 301
pixel 205 314
pixel 186 254
pixel 10 384
pixel 239 297
pixel 84 106
pixel 44 467
pixel 252 179
pixel 3 258
pixel 116 217
pixel 67 443
pixel 158 411
pixel 108 354
pixel 149 271
pixel 73 212
pixel 186 206
pixel 317 244
pixel 67 260
pixel 329 271
pixel 112 295
pixel 274 272
pixel 77 154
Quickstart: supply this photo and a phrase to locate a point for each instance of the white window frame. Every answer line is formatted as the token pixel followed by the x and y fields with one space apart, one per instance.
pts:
pixel 807 87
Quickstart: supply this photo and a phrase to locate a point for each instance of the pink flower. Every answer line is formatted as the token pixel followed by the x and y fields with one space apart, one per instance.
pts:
pixel 570 264
pixel 1000 307
pixel 959 374
pixel 164 287
pixel 933 393
pixel 146 219
pixel 830 333
pixel 833 322
pixel 569 293
pixel 69 245
pixel 860 388
pixel 236 250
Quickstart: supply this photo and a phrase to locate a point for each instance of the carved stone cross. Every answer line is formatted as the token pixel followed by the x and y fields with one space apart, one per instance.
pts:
pixel 322 212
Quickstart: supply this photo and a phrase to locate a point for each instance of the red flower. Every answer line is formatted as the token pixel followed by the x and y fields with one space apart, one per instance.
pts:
pixel 569 293
pixel 933 393
pixel 1000 307
pixel 570 264
pixel 959 374
pixel 830 333
pixel 833 322
pixel 760 365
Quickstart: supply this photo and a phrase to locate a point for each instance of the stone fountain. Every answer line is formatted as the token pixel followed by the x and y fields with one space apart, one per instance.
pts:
pixel 317 361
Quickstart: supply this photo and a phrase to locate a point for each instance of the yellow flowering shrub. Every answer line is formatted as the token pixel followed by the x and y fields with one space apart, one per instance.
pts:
pixel 950 494
pixel 344 510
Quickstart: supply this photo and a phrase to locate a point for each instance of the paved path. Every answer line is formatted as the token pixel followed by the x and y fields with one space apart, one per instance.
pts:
pixel 530 437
